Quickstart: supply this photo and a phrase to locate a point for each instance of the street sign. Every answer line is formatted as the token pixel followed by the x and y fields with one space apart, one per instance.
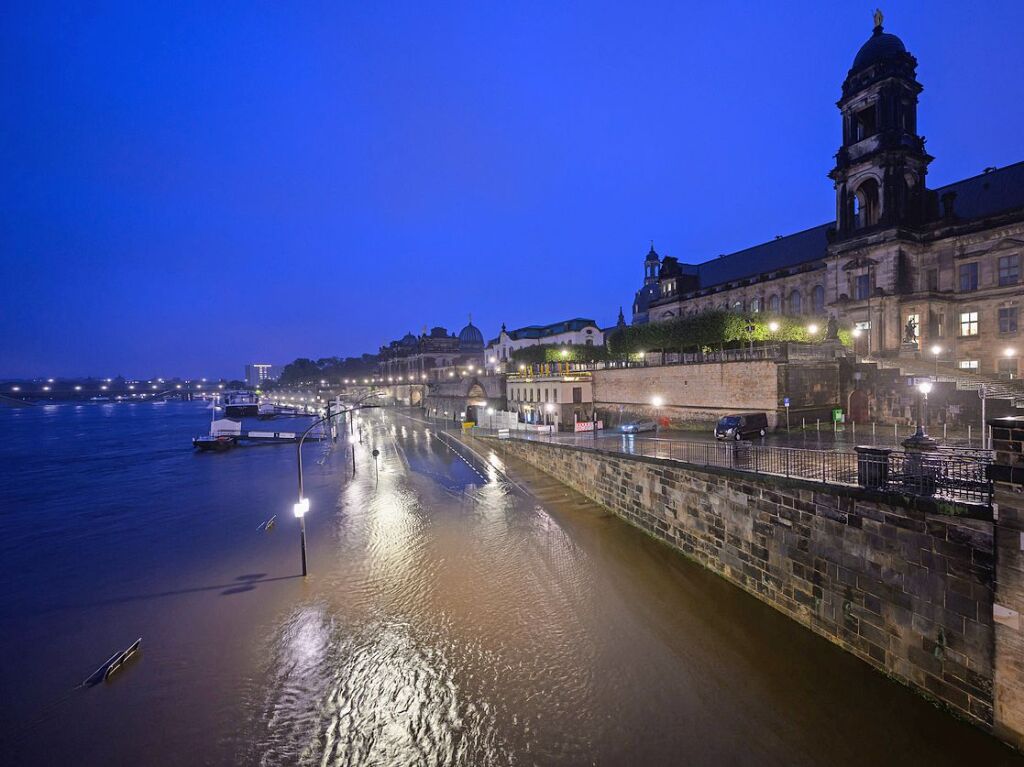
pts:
pixel 785 401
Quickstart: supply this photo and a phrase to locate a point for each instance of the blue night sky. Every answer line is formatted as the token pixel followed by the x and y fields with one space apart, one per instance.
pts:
pixel 192 186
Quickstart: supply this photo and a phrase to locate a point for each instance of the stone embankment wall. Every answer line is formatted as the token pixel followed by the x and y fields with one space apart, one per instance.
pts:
pixel 909 592
pixel 700 394
pixel 693 394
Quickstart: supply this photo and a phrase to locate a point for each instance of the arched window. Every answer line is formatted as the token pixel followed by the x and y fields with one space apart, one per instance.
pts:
pixel 774 305
pixel 865 204
pixel 818 299
pixel 755 305
pixel 737 306
pixel 795 302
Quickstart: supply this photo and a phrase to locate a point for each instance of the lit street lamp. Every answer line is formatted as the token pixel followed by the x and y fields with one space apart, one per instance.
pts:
pixel 302 506
pixel 936 350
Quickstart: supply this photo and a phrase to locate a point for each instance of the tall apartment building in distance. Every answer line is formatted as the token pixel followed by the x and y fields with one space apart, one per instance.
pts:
pixel 258 372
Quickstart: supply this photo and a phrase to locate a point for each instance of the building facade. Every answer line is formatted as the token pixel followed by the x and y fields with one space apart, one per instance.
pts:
pixel 558 400
pixel 258 372
pixel 936 272
pixel 578 331
pixel 421 358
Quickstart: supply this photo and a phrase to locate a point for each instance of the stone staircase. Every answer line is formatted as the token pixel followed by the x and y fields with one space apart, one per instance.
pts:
pixel 995 388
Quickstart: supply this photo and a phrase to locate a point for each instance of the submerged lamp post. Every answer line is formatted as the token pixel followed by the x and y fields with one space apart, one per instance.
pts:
pixel 301 507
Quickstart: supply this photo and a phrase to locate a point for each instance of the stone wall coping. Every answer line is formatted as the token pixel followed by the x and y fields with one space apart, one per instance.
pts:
pixel 914 505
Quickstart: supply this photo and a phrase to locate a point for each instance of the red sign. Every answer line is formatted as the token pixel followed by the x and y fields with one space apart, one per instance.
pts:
pixel 588 425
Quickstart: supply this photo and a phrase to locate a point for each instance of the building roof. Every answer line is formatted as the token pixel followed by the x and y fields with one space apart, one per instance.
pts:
pixel 879 47
pixel 470 337
pixel 543 331
pixel 780 253
pixel 987 194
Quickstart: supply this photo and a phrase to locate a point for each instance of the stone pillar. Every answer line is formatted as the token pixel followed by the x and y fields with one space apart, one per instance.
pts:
pixel 1007 474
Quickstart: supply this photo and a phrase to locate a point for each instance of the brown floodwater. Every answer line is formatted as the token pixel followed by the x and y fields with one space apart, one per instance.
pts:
pixel 461 609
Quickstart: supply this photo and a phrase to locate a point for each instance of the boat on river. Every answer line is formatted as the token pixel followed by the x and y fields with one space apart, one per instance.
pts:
pixel 224 433
pixel 113 664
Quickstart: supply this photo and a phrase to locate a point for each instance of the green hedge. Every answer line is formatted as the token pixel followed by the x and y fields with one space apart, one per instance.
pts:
pixel 712 329
pixel 534 355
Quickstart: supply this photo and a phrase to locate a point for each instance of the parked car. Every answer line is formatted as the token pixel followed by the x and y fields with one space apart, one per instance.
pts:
pixel 635 427
pixel 741 426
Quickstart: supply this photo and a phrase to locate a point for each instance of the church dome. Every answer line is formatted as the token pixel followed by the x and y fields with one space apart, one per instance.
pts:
pixel 470 336
pixel 879 47
pixel 408 340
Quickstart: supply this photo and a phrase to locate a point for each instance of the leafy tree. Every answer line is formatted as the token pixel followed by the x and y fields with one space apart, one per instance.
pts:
pixel 711 329
pixel 533 355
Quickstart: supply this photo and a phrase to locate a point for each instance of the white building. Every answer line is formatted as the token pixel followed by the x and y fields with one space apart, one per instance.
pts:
pixel 578 331
pixel 557 400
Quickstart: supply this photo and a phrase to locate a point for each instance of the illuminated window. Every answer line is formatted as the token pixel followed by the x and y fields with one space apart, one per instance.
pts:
pixel 968 364
pixel 968 323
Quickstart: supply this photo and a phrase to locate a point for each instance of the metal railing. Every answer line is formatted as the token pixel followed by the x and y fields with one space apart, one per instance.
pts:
pixel 950 475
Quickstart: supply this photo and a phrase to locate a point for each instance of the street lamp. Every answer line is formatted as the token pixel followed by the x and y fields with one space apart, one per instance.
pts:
pixel 812 329
pixel 936 350
pixel 773 327
pixel 302 506
pixel 657 401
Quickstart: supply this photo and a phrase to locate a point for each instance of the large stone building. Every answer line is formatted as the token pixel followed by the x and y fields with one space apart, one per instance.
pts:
pixel 579 331
pixel 417 358
pixel 913 268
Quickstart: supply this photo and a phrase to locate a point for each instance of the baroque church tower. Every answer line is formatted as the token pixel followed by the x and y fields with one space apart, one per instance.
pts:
pixel 881 166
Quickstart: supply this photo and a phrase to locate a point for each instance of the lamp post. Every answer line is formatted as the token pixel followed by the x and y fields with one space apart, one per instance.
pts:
pixel 657 402
pixel 920 439
pixel 936 350
pixel 302 505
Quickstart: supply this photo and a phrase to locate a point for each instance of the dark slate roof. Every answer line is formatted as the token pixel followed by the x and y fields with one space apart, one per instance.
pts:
pixel 543 331
pixel 879 47
pixel 984 195
pixel 781 253
pixel 988 193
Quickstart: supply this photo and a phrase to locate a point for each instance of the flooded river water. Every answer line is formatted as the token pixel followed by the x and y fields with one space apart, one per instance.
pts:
pixel 459 610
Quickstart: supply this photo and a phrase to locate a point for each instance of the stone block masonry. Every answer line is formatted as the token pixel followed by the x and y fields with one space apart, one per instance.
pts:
pixel 907 591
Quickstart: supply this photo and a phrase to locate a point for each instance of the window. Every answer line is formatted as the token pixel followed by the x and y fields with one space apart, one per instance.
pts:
pixel 773 304
pixel 818 299
pixel 755 305
pixel 968 323
pixel 1008 319
pixel 1009 270
pixel 1007 367
pixel 737 306
pixel 795 302
pixel 932 280
pixel 967 364
pixel 968 276
pixel 863 287
pixel 577 394
pixel 554 395
pixel 864 123
pixel 545 395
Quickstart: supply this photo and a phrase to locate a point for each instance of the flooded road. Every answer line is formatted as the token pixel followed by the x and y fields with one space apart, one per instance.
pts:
pixel 459 610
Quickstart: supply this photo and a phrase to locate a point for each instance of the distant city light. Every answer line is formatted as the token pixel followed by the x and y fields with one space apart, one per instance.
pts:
pixel 78 388
pixel 104 387
pixel 925 387
pixel 46 388
pixel 773 327
pixel 49 380
pixel 131 386
pixel 15 388
pixel 657 401
pixel 564 352
pixel 177 386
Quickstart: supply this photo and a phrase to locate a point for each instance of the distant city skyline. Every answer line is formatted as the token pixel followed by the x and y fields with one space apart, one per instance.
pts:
pixel 197 188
